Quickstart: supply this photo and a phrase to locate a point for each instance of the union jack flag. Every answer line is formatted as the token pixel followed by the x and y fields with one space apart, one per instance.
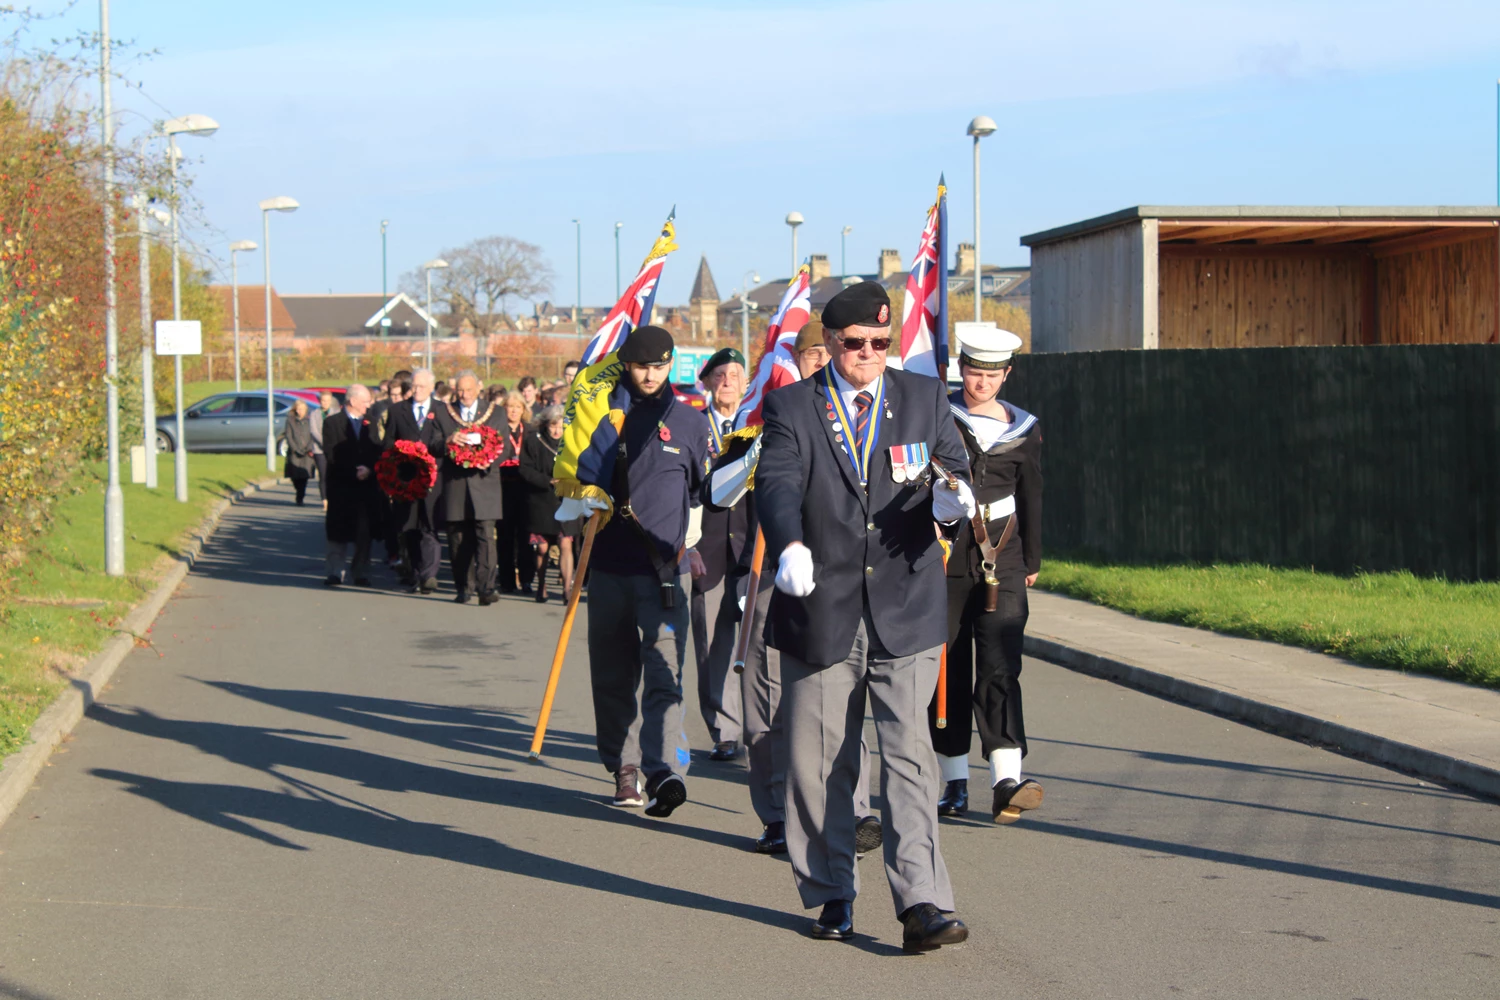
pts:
pixel 634 307
pixel 778 365
pixel 924 320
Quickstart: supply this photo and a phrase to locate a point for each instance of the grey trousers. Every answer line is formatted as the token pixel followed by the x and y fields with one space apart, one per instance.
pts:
pixel 634 641
pixel 764 734
pixel 336 552
pixel 716 617
pixel 824 710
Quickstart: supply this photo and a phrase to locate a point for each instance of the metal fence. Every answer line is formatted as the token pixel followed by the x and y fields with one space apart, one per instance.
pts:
pixel 1334 458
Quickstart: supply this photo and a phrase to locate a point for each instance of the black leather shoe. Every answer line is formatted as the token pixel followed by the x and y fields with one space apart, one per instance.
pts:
pixel 955 799
pixel 868 836
pixel 836 922
pixel 362 581
pixel 927 927
pixel 332 581
pixel 429 585
pixel 487 597
pixel 724 750
pixel 462 597
pixel 773 841
pixel 1013 798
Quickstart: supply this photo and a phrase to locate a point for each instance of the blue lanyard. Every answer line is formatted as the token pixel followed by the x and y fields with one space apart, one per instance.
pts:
pixel 715 436
pixel 858 452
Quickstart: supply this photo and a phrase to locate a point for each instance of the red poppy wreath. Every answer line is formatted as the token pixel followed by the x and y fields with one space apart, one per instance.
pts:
pixel 407 471
pixel 475 456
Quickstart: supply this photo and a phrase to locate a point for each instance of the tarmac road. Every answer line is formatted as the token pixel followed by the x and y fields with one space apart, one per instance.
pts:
pixel 305 793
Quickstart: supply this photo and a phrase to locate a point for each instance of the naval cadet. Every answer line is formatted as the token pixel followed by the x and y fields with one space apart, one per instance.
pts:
pixel 995 557
pixel 638 613
pixel 848 498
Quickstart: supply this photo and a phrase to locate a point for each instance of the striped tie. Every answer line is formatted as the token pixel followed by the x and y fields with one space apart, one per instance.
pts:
pixel 862 420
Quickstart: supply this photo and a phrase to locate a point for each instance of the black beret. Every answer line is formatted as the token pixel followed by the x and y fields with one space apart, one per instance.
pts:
pixel 647 345
pixel 864 304
pixel 723 357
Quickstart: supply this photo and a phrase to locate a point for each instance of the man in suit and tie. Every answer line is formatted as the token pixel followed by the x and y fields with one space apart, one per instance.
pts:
pixel 848 499
pixel 413 419
pixel 471 502
pixel 352 493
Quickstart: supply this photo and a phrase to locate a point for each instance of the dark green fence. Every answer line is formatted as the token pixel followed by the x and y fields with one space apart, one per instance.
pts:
pixel 1334 458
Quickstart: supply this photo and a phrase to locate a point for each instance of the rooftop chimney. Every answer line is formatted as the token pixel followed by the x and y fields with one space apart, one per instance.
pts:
pixel 820 268
pixel 964 264
pixel 890 263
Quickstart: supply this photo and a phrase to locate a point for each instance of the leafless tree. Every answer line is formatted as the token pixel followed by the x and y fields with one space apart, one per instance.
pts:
pixel 482 276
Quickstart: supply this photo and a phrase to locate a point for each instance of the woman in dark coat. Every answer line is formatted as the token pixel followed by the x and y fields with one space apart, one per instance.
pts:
pixel 538 454
pixel 301 443
pixel 513 536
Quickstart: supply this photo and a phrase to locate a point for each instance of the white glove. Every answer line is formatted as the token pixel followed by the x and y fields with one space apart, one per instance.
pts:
pixel 950 505
pixel 794 574
pixel 572 508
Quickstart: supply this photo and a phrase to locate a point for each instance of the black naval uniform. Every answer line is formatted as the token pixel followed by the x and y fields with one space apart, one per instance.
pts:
pixel 984 647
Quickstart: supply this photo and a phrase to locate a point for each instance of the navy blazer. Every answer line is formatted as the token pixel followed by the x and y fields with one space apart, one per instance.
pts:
pixel 401 425
pixel 878 548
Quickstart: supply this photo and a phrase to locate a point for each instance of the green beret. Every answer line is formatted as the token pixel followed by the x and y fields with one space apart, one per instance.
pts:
pixel 721 358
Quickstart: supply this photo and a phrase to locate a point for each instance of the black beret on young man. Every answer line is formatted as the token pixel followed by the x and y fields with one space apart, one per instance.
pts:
pixel 647 345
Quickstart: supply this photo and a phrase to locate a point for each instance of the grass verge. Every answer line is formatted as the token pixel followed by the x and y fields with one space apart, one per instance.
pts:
pixel 1393 620
pixel 61 607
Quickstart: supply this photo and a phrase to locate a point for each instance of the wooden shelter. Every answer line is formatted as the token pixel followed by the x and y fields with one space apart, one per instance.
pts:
pixel 1243 276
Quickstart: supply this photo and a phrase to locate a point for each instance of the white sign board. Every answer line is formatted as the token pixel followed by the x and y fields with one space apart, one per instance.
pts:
pixel 175 336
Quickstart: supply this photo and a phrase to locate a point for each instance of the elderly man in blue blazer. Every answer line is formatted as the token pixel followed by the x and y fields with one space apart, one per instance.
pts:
pixel 848 497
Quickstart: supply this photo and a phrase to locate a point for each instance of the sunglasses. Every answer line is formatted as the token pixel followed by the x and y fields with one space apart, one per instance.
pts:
pixel 852 344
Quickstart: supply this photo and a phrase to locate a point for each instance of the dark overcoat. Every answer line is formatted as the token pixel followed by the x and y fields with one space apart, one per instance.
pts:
pixel 470 493
pixel 878 547
pixel 350 499
pixel 401 425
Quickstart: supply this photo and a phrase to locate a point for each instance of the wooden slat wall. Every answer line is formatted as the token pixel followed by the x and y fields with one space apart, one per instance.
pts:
pixel 1337 458
pixel 1445 295
pixel 1242 301
pixel 1087 293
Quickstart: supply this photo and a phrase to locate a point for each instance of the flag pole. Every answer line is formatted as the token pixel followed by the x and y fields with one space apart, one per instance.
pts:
pixel 747 617
pixel 562 640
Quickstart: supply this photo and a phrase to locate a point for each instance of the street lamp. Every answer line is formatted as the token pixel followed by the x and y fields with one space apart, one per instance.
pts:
pixel 978 128
pixel 385 320
pixel 578 275
pixel 280 203
pixel 238 246
pixel 429 267
pixel 794 219
pixel 114 496
pixel 617 260
pixel 843 251
pixel 186 125
pixel 143 212
pixel 751 277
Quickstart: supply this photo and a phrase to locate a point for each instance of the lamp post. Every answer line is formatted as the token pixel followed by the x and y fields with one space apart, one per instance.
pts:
pixel 578 276
pixel 751 277
pixel 281 203
pixel 186 125
pixel 978 128
pixel 237 247
pixel 429 267
pixel 148 350
pixel 617 260
pixel 385 320
pixel 114 496
pixel 843 251
pixel 794 219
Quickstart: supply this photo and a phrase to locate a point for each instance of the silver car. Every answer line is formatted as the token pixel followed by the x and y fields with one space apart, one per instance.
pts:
pixel 230 421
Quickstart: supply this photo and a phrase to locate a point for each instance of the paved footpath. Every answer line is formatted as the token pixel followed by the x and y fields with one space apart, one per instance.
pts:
pixel 326 794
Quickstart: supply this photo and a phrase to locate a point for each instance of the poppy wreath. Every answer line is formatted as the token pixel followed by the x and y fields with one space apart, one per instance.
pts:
pixel 406 472
pixel 475 456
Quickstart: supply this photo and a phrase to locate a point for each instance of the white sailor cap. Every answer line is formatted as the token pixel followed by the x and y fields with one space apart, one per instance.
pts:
pixel 983 345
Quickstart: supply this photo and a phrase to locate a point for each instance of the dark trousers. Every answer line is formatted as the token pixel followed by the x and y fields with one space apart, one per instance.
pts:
pixel 984 668
pixel 513 538
pixel 424 552
pixel 471 547
pixel 299 484
pixel 322 463
pixel 634 641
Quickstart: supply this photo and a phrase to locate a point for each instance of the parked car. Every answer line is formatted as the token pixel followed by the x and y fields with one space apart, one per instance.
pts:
pixel 692 394
pixel 229 421
pixel 339 392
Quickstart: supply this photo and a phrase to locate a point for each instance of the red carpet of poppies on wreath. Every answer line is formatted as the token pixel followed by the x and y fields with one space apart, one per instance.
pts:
pixel 407 471
pixel 475 456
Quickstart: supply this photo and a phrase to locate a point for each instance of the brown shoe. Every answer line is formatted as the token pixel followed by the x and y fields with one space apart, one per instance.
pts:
pixel 1013 798
pixel 628 788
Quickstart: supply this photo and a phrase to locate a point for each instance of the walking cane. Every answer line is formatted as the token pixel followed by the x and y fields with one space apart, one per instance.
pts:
pixel 562 639
pixel 747 617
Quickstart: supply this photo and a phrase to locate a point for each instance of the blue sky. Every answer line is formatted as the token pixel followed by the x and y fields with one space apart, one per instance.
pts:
pixel 470 119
